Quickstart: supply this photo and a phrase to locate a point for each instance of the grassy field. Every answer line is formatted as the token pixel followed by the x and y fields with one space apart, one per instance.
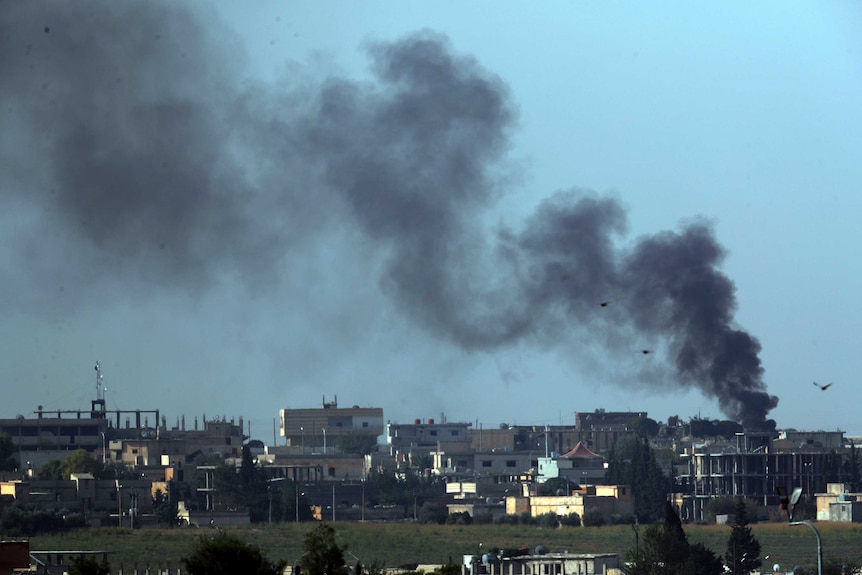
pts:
pixel 396 544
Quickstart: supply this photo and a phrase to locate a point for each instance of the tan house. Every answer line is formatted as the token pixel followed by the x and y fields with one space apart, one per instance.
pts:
pixel 838 504
pixel 607 499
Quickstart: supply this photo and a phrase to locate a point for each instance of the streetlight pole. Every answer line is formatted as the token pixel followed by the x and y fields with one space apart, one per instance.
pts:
pixel 819 544
pixel 296 502
pixel 269 488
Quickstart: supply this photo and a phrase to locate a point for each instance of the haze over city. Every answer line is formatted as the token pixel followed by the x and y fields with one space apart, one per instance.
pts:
pixel 425 207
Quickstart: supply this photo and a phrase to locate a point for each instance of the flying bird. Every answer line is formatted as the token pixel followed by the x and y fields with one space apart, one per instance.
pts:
pixel 823 387
pixel 646 351
pixel 605 303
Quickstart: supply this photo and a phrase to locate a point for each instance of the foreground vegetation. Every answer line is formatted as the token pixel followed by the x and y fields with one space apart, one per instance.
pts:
pixel 405 544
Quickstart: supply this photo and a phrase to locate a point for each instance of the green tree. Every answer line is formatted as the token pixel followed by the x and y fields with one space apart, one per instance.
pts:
pixel 165 507
pixel 89 565
pixel 632 462
pixel 322 555
pixel 743 549
pixel 80 461
pixel 702 561
pixel 644 426
pixel 558 486
pixel 665 551
pixel 357 443
pixel 7 450
pixel 51 470
pixel 852 472
pixel 226 554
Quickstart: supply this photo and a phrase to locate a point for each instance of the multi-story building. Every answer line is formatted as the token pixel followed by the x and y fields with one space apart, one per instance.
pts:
pixel 319 429
pixel 53 434
pixel 753 466
pixel 425 436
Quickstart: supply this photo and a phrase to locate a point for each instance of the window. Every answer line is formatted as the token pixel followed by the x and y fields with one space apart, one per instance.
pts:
pixel 332 472
pixel 486 463
pixel 434 432
pixel 511 463
pixel 364 424
pixel 454 433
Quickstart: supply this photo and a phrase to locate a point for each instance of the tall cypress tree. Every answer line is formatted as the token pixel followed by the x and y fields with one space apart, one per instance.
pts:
pixel 743 549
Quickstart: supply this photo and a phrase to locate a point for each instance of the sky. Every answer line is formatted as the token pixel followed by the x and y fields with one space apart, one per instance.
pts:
pixel 423 206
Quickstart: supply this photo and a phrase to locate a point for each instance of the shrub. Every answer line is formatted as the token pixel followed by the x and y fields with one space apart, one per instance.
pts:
pixel 547 520
pixel 571 520
pixel 506 520
pixel 459 518
pixel 483 518
pixel 593 518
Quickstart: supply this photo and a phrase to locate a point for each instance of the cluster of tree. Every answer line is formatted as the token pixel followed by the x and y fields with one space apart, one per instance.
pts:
pixel 81 461
pixel 87 565
pixel 226 554
pixel 632 462
pixel 664 549
pixel 20 519
pixel 7 450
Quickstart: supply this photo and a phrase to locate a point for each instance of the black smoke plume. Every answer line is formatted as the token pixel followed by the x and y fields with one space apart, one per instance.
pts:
pixel 129 135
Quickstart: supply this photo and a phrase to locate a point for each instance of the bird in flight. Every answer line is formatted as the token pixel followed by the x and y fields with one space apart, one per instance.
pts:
pixel 823 387
pixel 646 351
pixel 605 303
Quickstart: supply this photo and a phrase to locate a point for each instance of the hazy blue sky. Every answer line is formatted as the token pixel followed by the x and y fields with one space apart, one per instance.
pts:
pixel 421 206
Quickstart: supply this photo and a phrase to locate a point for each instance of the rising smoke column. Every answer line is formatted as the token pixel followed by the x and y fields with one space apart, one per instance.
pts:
pixel 139 145
pixel 412 157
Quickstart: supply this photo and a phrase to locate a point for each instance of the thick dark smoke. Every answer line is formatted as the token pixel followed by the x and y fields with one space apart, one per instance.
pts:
pixel 130 133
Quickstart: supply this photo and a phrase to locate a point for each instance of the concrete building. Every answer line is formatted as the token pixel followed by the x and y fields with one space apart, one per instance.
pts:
pixel 542 564
pixel 318 430
pixel 839 504
pixel 609 500
pixel 96 500
pixel 752 466
pixel 425 436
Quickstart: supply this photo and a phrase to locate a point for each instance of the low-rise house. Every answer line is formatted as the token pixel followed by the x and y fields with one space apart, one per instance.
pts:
pixel 838 504
pixel 609 500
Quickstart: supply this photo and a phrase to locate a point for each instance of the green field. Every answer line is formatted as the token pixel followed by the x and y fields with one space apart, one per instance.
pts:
pixel 396 544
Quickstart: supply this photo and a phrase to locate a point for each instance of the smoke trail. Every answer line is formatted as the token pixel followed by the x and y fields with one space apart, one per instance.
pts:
pixel 143 148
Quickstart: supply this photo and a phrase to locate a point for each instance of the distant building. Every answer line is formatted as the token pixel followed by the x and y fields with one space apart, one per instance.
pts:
pixel 579 465
pixel 127 436
pixel 318 430
pixel 124 500
pixel 560 563
pixel 425 436
pixel 607 499
pixel 839 504
pixel 752 466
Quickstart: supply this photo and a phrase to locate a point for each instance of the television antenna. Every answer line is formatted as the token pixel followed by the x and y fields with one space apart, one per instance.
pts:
pixel 100 391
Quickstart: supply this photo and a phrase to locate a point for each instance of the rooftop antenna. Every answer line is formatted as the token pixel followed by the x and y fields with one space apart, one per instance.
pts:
pixel 100 391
